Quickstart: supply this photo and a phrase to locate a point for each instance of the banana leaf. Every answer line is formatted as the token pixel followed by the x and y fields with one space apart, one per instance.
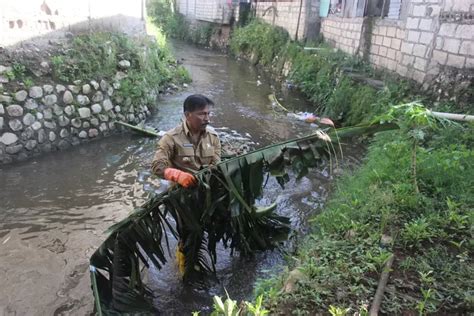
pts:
pixel 221 208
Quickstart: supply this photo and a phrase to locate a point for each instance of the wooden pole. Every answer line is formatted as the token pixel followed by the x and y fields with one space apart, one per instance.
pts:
pixel 455 117
pixel 374 309
pixel 298 24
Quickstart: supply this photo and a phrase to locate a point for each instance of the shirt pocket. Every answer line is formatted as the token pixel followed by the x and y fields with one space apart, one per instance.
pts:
pixel 185 151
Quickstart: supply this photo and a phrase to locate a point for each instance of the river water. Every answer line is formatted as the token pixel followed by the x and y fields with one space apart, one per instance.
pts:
pixel 54 209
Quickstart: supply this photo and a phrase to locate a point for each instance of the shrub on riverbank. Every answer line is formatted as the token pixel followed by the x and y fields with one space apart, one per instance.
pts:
pixel 378 210
pixel 341 86
pixel 165 16
pixel 151 67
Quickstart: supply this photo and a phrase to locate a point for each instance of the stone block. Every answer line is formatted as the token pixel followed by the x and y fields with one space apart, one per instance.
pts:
pixel 14 110
pixel 391 54
pixel 412 23
pixel 433 10
pixel 21 95
pixel 467 48
pixel 402 70
pixel 456 61
pixel 418 76
pixel 439 57
pixel 396 43
pixel 392 65
pixel 36 92
pixel 413 36
pixel 374 49
pixel 439 42
pixel 426 24
pixel 426 37
pixel 407 48
pixel 469 63
pixel 465 31
pixel 451 45
pixel 378 39
pixel 387 41
pixel 50 99
pixel 419 10
pixel 84 112
pixel 408 60
pixel 400 34
pixel 447 29
pixel 419 50
pixel 391 31
pixel 383 51
pixel 8 138
pixel 15 125
pixel 420 63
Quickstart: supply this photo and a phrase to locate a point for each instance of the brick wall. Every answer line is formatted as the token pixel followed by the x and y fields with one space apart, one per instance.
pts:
pixel 217 11
pixel 385 46
pixel 429 36
pixel 344 34
pixel 26 19
pixel 284 14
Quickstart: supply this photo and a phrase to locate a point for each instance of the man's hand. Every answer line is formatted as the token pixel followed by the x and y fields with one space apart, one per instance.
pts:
pixel 185 179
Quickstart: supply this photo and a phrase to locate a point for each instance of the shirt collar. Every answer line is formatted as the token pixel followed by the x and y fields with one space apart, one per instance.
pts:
pixel 186 130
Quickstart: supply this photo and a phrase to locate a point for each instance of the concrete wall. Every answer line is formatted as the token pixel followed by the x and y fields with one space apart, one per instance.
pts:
pixel 429 36
pixel 26 19
pixel 216 11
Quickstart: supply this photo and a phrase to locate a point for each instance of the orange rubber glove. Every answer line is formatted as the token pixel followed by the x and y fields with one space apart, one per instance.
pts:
pixel 185 179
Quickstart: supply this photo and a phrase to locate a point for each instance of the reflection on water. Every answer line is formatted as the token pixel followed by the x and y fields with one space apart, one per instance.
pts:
pixel 62 202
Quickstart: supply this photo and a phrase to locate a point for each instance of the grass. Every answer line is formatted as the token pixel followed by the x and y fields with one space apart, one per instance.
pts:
pixel 430 232
pixel 95 56
pixel 412 197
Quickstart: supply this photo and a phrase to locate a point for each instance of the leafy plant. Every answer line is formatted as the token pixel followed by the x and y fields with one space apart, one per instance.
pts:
pixel 221 208
pixel 18 70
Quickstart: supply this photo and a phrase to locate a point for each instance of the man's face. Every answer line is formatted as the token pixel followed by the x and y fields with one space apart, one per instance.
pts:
pixel 198 120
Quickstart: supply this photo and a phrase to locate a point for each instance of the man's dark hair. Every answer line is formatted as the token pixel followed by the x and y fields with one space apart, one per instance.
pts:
pixel 196 102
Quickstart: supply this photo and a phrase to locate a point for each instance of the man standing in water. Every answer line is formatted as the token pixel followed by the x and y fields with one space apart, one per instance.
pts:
pixel 190 146
pixel 186 149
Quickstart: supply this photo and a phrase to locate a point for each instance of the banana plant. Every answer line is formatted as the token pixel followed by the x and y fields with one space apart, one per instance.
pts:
pixel 221 208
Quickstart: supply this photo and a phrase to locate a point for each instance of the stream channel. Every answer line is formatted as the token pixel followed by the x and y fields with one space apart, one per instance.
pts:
pixel 55 209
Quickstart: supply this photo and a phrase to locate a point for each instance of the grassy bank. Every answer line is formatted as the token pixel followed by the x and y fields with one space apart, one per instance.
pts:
pixel 376 212
pixel 413 197
pixel 340 86
pixel 96 55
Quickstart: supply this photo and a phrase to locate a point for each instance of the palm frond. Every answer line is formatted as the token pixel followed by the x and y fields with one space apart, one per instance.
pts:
pixel 220 209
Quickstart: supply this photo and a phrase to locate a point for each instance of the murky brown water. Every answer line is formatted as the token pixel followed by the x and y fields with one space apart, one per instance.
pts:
pixel 54 209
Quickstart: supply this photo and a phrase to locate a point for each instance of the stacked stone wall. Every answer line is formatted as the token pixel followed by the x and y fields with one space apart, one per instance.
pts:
pixel 343 33
pixel 56 116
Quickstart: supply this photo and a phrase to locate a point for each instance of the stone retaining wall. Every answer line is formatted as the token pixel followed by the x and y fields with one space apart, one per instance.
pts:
pixel 52 117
